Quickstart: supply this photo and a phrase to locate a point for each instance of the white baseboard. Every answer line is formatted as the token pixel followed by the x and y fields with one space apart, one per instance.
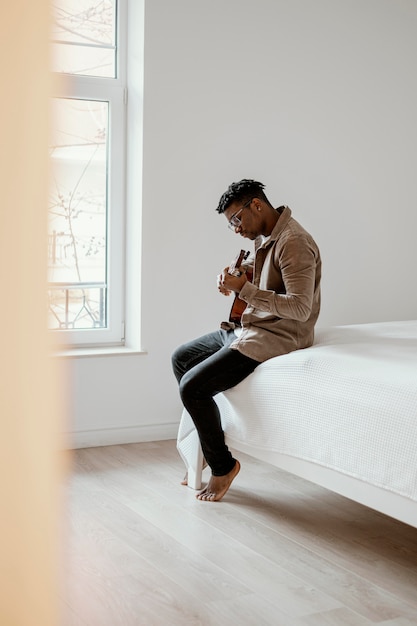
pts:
pixel 116 436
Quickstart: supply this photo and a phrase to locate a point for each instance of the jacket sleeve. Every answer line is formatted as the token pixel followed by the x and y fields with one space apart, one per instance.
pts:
pixel 294 270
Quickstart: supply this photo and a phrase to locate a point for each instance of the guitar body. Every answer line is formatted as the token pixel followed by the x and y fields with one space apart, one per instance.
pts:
pixel 236 311
pixel 238 305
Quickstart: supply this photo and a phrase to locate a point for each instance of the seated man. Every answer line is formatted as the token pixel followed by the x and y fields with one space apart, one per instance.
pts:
pixel 282 306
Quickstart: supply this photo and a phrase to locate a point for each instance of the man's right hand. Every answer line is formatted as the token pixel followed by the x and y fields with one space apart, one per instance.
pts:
pixel 220 285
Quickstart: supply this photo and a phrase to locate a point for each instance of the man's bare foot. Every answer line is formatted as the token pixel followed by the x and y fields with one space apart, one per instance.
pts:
pixel 218 485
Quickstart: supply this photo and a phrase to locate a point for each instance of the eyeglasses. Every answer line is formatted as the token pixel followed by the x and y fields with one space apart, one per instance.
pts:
pixel 235 221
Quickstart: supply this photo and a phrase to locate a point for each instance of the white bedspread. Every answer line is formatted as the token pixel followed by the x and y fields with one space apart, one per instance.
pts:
pixel 348 403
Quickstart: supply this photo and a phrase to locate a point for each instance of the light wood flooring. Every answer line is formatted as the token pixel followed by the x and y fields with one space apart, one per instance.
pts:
pixel 277 551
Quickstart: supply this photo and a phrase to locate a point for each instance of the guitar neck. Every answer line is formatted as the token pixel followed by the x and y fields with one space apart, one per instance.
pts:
pixel 242 256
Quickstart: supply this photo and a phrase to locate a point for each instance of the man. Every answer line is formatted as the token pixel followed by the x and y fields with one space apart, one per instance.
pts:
pixel 282 306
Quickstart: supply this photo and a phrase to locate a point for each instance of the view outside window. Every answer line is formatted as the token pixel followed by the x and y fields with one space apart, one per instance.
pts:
pixel 83 44
pixel 77 214
pixel 84 37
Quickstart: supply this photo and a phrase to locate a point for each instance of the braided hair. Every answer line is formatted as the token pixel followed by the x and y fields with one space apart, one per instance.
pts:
pixel 243 191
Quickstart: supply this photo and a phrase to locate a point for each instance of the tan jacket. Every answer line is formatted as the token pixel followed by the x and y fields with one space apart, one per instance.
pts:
pixel 283 300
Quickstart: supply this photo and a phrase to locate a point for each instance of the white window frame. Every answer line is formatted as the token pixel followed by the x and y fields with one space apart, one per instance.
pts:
pixel 113 91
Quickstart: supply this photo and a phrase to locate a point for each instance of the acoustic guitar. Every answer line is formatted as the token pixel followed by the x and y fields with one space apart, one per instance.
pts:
pixel 238 305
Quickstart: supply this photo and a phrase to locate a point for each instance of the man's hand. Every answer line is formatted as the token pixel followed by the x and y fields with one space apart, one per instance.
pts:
pixel 226 283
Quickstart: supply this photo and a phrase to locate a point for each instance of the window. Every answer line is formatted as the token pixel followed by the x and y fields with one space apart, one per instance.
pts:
pixel 87 154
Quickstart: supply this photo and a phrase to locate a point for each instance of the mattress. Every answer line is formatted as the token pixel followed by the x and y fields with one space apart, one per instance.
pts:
pixel 349 403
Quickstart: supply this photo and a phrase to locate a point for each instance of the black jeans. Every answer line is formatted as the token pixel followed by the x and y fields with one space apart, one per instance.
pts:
pixel 203 368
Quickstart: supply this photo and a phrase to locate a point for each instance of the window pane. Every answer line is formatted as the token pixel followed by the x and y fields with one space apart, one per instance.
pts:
pixel 78 215
pixel 84 37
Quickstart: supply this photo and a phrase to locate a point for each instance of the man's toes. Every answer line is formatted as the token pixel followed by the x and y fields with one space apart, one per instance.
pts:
pixel 206 495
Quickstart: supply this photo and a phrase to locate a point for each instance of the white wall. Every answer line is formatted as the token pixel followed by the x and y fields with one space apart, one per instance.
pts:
pixel 315 99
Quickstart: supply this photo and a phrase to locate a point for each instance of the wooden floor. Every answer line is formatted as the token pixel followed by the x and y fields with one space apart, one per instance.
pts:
pixel 142 551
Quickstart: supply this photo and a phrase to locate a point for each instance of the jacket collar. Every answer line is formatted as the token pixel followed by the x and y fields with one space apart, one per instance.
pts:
pixel 285 215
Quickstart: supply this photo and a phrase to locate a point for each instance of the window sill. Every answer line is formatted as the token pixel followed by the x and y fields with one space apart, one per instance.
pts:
pixel 76 353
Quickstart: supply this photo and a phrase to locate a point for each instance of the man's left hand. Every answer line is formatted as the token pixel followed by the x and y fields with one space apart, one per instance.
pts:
pixel 229 282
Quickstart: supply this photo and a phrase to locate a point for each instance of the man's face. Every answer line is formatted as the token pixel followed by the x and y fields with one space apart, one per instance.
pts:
pixel 244 218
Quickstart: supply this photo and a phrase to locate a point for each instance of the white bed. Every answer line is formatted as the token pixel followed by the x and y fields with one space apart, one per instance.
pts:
pixel 342 414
